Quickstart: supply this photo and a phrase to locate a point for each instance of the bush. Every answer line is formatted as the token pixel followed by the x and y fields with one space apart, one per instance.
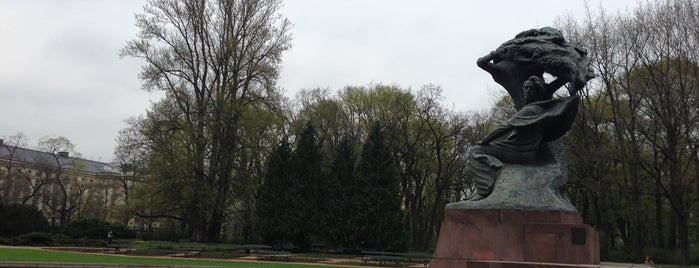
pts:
pixel 615 255
pixel 155 236
pixel 62 240
pixel 168 232
pixel 89 228
pixel 96 229
pixel 6 241
pixel 693 255
pixel 18 219
pixel 34 239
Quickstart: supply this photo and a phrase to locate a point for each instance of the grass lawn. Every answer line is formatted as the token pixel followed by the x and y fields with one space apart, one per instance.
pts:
pixel 11 254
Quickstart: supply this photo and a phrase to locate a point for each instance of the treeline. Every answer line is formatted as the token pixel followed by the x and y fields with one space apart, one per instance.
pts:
pixel 421 151
pixel 199 157
pixel 365 168
pixel 633 149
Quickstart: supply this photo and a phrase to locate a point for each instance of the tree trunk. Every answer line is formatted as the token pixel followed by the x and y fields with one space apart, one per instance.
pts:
pixel 636 236
pixel 680 212
pixel 659 229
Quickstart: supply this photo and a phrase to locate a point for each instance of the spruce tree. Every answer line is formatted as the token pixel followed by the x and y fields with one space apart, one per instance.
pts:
pixel 340 210
pixel 307 190
pixel 274 219
pixel 381 197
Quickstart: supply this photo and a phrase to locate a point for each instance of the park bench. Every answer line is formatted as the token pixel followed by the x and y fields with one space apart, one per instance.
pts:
pixel 117 246
pixel 416 258
pixel 189 251
pixel 273 255
pixel 383 258
pixel 252 248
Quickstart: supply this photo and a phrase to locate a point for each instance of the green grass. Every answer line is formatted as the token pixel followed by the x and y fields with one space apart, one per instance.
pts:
pixel 9 254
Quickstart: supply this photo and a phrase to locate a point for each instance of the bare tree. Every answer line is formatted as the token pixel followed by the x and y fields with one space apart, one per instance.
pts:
pixel 647 68
pixel 130 157
pixel 213 59
pixel 17 183
pixel 62 197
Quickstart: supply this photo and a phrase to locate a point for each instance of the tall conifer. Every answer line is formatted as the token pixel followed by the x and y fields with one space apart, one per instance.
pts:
pixel 307 190
pixel 340 210
pixel 274 219
pixel 383 215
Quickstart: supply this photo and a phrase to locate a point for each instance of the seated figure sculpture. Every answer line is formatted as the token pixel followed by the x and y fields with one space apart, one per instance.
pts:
pixel 519 65
pixel 541 120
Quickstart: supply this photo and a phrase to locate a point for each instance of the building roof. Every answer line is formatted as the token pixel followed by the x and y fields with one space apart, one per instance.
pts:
pixel 39 158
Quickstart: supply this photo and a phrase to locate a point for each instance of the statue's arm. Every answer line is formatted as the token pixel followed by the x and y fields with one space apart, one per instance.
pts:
pixel 485 62
pixel 555 85
pixel 496 133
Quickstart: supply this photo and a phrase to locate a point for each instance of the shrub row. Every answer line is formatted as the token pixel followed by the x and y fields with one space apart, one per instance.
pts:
pixel 48 239
pixel 18 219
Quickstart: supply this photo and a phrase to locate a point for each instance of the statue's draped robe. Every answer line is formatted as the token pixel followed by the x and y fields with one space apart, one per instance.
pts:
pixel 534 124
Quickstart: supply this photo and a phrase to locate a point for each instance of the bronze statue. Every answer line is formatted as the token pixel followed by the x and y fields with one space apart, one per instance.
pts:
pixel 541 120
pixel 519 66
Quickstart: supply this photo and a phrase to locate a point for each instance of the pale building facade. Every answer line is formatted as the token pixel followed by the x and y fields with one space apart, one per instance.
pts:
pixel 62 187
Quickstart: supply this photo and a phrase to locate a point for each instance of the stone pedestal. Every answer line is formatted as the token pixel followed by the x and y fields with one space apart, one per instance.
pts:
pixel 514 238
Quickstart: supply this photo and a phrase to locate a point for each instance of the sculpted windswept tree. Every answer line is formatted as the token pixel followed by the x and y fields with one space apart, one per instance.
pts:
pixel 213 59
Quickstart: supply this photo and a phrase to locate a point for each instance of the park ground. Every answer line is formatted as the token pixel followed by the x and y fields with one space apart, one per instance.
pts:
pixel 70 257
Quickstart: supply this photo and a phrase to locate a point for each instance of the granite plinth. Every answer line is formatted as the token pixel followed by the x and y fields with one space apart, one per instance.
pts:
pixel 501 238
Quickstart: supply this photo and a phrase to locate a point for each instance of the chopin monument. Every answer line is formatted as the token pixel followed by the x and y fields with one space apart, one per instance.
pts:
pixel 519 215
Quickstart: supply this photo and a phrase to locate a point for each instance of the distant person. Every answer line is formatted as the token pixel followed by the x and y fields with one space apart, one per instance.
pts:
pixel 110 236
pixel 649 261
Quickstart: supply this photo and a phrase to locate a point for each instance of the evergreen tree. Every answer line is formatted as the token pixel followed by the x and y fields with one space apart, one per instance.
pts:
pixel 307 189
pixel 383 222
pixel 274 219
pixel 214 61
pixel 340 210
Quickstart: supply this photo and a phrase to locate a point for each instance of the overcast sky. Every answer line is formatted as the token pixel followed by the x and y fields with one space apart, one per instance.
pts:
pixel 60 73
